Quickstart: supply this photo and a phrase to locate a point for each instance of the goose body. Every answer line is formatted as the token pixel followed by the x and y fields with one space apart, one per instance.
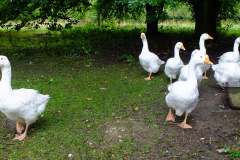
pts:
pixel 183 96
pixel 148 60
pixel 183 101
pixel 227 74
pixel 185 70
pixel 231 56
pixel 203 51
pixel 174 64
pixel 21 105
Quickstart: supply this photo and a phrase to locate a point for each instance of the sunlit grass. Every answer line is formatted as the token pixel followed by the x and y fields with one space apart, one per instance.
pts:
pixel 230 28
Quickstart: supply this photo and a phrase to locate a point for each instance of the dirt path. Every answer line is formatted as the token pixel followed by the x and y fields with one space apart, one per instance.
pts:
pixel 214 126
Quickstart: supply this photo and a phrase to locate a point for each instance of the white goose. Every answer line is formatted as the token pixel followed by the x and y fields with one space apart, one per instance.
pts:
pixel 20 105
pixel 148 60
pixel 231 56
pixel 203 51
pixel 173 65
pixel 227 74
pixel 183 95
pixel 184 72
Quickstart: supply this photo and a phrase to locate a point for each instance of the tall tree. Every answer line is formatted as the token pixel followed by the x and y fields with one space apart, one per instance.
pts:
pixel 208 13
pixel 153 9
pixel 206 16
pixel 153 14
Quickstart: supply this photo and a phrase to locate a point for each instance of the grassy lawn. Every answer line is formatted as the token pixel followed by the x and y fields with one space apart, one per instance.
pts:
pixel 100 106
pixel 88 99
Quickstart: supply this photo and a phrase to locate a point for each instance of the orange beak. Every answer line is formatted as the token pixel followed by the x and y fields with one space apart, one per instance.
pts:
pixel 207 60
pixel 210 37
pixel 183 48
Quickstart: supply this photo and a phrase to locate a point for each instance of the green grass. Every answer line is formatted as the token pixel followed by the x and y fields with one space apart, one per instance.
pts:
pixel 79 41
pixel 92 40
pixel 234 154
pixel 230 28
pixel 85 95
pixel 88 96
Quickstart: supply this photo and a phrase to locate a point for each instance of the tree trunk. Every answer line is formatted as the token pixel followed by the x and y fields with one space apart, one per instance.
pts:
pixel 152 16
pixel 99 19
pixel 205 14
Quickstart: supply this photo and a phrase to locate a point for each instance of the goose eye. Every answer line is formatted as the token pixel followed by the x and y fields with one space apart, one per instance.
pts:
pixel 1 58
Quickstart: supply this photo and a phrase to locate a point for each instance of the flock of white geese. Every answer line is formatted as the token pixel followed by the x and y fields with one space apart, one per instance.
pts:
pixel 183 94
pixel 25 105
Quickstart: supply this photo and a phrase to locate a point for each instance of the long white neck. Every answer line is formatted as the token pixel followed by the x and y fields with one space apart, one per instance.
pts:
pixel 6 78
pixel 145 45
pixel 235 47
pixel 202 46
pixel 176 52
pixel 192 77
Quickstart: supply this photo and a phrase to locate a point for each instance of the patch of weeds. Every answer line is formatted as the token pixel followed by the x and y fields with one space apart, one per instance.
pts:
pixel 233 153
pixel 128 58
pixel 122 150
pixel 146 148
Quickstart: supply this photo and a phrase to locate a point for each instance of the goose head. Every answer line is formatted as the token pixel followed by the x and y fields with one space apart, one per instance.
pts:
pixel 179 45
pixel 4 62
pixel 143 36
pixel 237 40
pixel 205 36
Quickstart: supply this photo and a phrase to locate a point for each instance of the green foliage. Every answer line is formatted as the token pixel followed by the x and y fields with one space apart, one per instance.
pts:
pixel 124 8
pixel 229 9
pixel 55 27
pixel 87 40
pixel 178 10
pixel 50 10
pixel 233 153
pixel 225 8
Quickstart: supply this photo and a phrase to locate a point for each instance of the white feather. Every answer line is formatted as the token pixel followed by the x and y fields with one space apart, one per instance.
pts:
pixel 174 64
pixel 183 95
pixel 227 74
pixel 19 104
pixel 148 60
pixel 232 56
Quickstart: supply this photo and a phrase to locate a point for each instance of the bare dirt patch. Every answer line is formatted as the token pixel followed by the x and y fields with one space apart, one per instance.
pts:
pixel 215 126
pixel 118 130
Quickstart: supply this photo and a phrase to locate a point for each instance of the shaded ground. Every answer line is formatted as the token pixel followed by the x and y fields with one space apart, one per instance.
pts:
pixel 215 126
pixel 118 115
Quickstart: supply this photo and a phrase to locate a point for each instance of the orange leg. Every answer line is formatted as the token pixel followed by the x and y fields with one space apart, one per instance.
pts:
pixel 19 127
pixel 170 116
pixel 184 123
pixel 22 136
pixel 149 77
